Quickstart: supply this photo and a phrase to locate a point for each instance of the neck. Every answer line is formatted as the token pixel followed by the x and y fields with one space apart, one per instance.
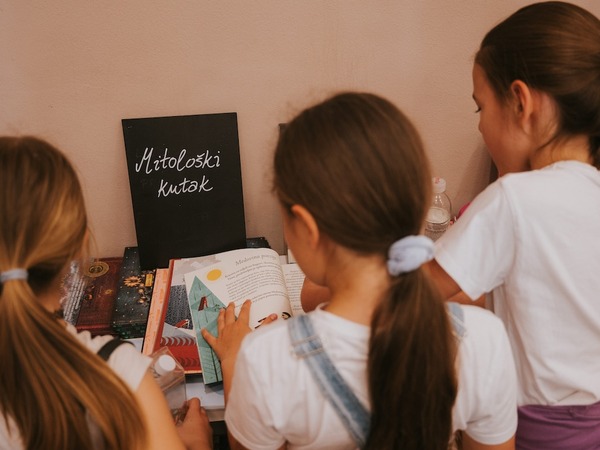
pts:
pixel 357 287
pixel 572 149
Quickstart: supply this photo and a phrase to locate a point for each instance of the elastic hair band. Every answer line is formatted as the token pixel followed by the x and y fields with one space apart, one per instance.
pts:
pixel 13 274
pixel 408 254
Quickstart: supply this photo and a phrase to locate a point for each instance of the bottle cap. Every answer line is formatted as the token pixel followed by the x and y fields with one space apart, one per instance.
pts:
pixel 164 364
pixel 439 185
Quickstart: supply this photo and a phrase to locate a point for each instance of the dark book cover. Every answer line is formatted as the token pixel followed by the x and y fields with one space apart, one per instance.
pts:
pixel 134 292
pixel 186 185
pixel 101 280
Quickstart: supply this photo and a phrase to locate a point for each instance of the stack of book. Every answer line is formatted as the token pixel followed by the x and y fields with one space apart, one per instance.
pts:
pixel 109 296
pixel 189 294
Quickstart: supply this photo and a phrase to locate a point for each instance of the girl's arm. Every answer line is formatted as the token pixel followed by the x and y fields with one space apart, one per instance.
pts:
pixel 195 431
pixel 445 283
pixel 231 332
pixel 449 288
pixel 162 432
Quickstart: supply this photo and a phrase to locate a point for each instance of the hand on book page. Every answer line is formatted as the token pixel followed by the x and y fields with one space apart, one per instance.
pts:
pixel 231 331
pixel 228 339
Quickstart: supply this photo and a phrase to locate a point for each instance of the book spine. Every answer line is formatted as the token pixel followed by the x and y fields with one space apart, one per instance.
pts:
pixel 155 314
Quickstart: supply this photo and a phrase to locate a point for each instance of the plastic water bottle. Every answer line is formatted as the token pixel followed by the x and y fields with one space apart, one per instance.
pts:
pixel 170 376
pixel 440 211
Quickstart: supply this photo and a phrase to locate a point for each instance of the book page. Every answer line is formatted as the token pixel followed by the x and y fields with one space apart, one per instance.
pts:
pixel 294 278
pixel 248 274
pixel 236 276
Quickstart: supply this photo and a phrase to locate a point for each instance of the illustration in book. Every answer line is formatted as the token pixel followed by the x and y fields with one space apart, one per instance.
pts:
pixel 174 329
pixel 205 306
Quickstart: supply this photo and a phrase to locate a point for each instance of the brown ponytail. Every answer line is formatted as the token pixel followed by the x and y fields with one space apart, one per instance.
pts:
pixel 412 377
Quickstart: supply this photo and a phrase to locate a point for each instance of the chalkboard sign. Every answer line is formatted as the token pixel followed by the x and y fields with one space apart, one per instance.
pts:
pixel 186 186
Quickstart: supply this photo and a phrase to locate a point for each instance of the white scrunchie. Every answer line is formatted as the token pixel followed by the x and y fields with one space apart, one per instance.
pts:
pixel 13 274
pixel 408 254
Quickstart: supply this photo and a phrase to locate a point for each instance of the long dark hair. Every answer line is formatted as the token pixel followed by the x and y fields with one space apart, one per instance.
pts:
pixel 553 47
pixel 357 164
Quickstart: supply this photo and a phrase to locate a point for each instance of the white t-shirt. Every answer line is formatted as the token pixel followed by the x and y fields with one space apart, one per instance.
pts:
pixel 127 362
pixel 274 398
pixel 532 239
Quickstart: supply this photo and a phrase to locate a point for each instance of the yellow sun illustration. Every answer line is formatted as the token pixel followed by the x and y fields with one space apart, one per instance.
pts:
pixel 213 275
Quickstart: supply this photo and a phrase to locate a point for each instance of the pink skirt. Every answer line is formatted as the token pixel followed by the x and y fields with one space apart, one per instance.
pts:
pixel 558 427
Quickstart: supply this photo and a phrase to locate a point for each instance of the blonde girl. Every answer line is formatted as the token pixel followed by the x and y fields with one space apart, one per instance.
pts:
pixel 55 392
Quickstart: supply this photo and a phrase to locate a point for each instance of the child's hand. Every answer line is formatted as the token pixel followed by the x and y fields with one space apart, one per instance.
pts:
pixel 195 430
pixel 231 333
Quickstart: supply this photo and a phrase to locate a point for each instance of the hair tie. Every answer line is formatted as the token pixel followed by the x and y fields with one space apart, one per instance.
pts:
pixel 13 274
pixel 408 254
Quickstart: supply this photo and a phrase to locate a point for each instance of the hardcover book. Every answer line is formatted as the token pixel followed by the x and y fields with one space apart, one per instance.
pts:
pixel 101 279
pixel 175 329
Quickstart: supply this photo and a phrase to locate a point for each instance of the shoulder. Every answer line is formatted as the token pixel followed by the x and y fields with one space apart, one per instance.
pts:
pixel 92 343
pixel 483 331
pixel 126 361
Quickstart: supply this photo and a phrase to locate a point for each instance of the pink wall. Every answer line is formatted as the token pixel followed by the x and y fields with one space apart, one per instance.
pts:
pixel 71 70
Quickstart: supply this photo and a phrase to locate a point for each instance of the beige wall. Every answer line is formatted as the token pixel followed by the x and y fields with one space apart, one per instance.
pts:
pixel 70 70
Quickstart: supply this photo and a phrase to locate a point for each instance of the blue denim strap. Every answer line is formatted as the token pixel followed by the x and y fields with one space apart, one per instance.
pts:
pixel 307 346
pixel 457 316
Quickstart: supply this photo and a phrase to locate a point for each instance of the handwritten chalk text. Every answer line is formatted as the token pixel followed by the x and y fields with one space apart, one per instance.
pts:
pixel 184 187
pixel 204 160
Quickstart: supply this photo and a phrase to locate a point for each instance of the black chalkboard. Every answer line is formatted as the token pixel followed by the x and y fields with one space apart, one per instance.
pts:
pixel 186 186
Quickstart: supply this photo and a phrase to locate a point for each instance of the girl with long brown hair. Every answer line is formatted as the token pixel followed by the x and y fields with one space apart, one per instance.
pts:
pixel 353 182
pixel 55 391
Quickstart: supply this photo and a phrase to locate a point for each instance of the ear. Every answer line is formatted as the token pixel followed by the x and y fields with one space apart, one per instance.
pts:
pixel 523 103
pixel 306 226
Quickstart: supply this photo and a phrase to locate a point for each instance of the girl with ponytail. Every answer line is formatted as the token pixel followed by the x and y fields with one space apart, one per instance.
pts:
pixel 55 392
pixel 353 182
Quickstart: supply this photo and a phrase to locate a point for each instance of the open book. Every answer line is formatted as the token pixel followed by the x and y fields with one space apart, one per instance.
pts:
pixel 255 274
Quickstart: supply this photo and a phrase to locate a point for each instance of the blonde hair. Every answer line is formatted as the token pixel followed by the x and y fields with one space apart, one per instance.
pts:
pixel 48 380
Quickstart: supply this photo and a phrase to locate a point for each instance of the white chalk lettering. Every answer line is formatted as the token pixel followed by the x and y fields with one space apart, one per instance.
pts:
pixel 186 186
pixel 145 159
pixel 181 162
